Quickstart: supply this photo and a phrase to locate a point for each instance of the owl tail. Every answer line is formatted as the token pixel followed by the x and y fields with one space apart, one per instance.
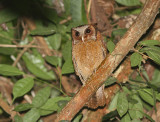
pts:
pixel 98 99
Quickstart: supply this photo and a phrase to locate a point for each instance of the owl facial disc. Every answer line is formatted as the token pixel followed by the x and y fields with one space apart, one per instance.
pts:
pixel 83 34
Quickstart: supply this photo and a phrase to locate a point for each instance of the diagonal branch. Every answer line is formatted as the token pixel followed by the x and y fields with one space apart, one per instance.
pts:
pixel 143 22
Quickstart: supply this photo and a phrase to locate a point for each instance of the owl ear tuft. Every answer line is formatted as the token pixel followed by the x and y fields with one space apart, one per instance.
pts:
pixel 94 25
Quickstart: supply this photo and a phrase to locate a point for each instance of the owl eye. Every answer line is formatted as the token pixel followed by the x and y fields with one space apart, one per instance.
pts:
pixel 88 30
pixel 77 33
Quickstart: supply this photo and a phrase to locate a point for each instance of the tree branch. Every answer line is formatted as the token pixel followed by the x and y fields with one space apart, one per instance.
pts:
pixel 143 22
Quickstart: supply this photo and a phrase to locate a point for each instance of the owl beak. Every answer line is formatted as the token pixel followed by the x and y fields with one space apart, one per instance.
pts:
pixel 82 39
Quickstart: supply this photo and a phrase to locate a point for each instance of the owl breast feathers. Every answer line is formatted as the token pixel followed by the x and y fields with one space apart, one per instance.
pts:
pixel 88 51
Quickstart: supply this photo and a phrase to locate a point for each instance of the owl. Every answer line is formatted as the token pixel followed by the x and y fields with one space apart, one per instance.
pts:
pixel 88 51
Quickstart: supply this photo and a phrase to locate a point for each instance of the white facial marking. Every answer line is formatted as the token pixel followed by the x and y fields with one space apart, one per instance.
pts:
pixel 81 30
pixel 82 38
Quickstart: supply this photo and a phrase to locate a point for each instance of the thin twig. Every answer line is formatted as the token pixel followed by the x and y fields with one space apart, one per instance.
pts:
pixel 22 52
pixel 18 64
pixel 20 46
pixel 142 54
pixel 93 12
pixel 8 37
pixel 126 7
pixel 8 109
pixel 25 30
pixel 65 20
pixel 89 6
pixel 28 99
pixel 87 13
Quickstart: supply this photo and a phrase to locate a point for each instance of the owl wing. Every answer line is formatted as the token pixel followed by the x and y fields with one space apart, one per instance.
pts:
pixel 75 65
pixel 104 49
pixel 76 69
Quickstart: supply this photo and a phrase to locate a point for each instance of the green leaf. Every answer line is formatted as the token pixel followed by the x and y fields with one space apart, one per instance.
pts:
pixel 51 14
pixel 136 120
pixel 52 105
pixel 145 75
pixel 62 29
pixel 18 118
pixel 78 118
pixel 158 96
pixel 49 107
pixel 126 90
pixel 67 51
pixel 113 103
pixel 151 48
pixel 135 108
pixel 8 70
pixel 7 50
pixel 41 97
pixel 55 93
pixel 156 76
pixel 134 11
pixel 139 79
pixel 110 81
pixel 23 107
pixel 55 41
pixel 110 46
pixel 22 86
pixel 67 7
pixel 31 116
pixel 84 17
pixel 7 15
pixel 119 32
pixel 153 52
pixel 126 118
pixel 136 59
pixel 149 42
pixel 67 55
pixel 154 56
pixel 55 61
pixel 147 106
pixel 64 121
pixel 6 37
pixel 129 2
pixel 43 31
pixel 123 13
pixel 150 92
pixel 148 117
pixel 155 79
pixel 35 64
pixel 146 97
pixel 49 2
pixel 67 67
pixel 61 104
pixel 122 104
pixel 110 115
pixel 76 14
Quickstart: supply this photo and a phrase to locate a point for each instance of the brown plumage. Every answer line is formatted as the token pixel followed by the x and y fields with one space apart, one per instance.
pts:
pixel 88 51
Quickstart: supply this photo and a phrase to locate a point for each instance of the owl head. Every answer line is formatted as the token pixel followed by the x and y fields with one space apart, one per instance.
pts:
pixel 84 33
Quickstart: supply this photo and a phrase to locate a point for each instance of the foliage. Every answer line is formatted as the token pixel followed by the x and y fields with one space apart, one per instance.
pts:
pixel 33 69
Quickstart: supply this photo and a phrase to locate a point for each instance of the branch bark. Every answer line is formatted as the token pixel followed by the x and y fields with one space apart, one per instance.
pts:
pixel 142 23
